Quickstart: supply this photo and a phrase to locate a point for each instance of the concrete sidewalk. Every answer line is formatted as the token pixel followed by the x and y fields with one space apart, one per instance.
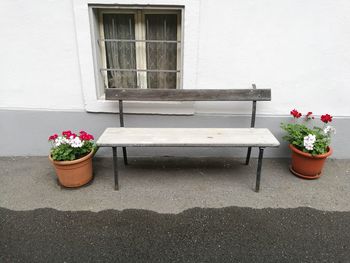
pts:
pixel 172 185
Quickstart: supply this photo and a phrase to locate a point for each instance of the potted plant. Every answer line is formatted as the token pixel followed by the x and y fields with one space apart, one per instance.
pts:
pixel 71 155
pixel 310 145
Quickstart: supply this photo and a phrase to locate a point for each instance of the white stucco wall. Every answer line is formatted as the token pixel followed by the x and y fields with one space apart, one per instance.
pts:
pixel 297 48
pixel 38 56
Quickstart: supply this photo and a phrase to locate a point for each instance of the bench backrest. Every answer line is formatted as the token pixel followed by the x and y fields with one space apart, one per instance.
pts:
pixel 253 95
pixel 189 94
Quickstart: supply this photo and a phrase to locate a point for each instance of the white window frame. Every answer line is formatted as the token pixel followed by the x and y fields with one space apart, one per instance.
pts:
pixel 86 45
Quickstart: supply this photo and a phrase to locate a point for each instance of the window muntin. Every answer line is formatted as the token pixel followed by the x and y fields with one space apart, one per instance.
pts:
pixel 141 48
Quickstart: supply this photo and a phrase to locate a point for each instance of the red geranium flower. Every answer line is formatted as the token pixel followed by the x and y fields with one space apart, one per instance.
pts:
pixel 326 118
pixel 85 136
pixel 309 115
pixel 295 113
pixel 67 134
pixel 53 137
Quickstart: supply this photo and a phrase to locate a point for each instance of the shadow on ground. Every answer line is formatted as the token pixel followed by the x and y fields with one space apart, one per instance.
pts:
pixel 172 185
pixel 230 234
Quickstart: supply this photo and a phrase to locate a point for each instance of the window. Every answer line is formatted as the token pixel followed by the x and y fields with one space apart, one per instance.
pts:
pixel 140 48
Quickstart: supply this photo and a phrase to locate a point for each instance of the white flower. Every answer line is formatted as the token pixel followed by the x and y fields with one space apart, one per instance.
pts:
pixel 309 147
pixel 309 142
pixel 76 142
pixel 310 138
pixel 60 140
pixel 57 142
pixel 329 129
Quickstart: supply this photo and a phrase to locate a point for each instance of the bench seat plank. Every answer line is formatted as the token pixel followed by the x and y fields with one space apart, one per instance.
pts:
pixel 234 137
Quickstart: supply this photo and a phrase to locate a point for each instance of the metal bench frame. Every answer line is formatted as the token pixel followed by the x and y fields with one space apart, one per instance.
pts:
pixel 253 95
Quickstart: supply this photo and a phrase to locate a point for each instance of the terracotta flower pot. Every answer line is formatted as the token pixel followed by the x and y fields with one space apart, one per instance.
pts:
pixel 74 173
pixel 307 166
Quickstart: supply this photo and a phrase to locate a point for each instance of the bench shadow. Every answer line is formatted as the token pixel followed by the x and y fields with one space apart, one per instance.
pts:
pixel 169 162
pixel 174 162
pixel 177 167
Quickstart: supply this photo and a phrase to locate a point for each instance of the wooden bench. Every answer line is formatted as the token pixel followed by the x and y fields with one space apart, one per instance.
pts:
pixel 188 137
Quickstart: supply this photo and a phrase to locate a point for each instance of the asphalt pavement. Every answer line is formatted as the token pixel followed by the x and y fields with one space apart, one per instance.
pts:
pixel 175 210
pixel 230 234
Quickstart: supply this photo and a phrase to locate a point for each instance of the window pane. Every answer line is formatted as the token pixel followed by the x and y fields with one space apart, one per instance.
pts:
pixel 120 55
pixel 161 56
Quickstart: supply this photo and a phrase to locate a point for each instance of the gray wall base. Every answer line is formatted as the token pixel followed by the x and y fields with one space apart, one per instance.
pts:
pixel 25 133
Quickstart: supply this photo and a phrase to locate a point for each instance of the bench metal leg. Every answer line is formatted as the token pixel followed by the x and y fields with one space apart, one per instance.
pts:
pixel 115 168
pixel 121 120
pixel 248 155
pixel 125 156
pixel 258 172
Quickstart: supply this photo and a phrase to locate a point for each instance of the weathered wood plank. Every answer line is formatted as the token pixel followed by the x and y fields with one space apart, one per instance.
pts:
pixel 189 94
pixel 191 137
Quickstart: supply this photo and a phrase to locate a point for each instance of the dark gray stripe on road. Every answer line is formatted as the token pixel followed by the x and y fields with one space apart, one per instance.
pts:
pixel 195 235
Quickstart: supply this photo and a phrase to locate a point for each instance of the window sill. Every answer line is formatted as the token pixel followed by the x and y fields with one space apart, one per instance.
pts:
pixel 142 107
